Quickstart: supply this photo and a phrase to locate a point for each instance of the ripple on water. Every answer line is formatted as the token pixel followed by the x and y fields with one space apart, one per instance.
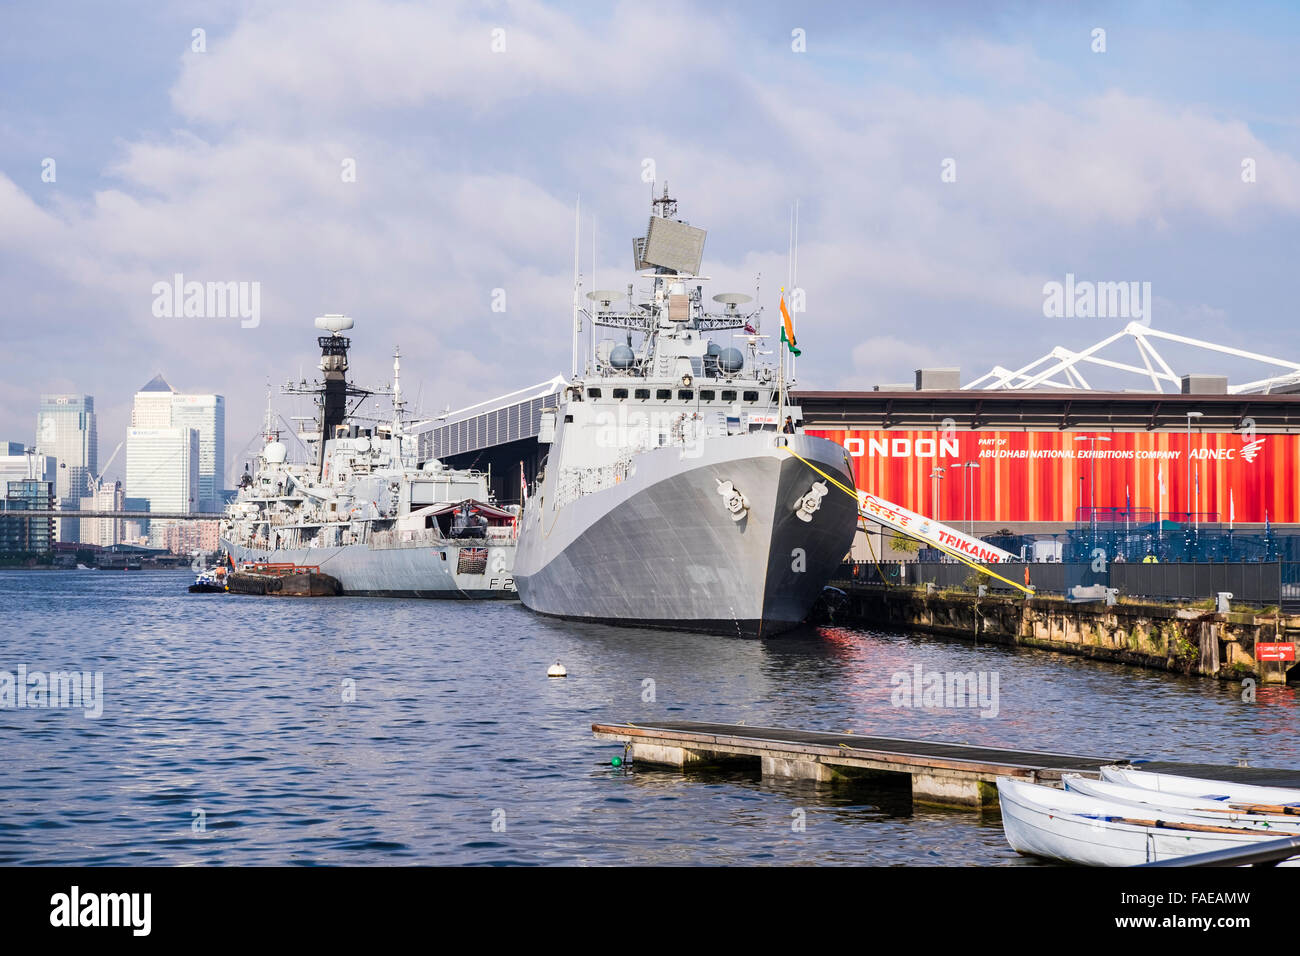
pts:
pixel 459 750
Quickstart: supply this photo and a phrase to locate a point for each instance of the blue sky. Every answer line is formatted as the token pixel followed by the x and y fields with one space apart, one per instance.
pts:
pixel 225 166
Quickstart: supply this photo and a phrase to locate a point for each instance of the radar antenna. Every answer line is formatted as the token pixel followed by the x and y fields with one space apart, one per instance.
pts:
pixel 665 206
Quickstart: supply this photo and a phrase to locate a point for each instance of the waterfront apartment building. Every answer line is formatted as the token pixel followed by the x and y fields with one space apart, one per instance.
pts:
pixel 26 484
pixel 66 431
pixel 186 537
pixel 20 534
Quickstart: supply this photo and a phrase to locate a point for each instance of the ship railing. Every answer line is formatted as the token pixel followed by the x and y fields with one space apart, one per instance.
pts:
pixel 420 538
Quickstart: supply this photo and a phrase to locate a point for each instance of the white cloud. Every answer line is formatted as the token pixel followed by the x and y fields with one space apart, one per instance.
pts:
pixel 888 359
pixel 467 163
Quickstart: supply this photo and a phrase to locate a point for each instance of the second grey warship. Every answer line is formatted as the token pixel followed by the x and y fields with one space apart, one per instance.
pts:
pixel 366 511
pixel 679 490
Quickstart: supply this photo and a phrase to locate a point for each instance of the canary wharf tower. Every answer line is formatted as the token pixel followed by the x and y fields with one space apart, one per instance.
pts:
pixel 66 431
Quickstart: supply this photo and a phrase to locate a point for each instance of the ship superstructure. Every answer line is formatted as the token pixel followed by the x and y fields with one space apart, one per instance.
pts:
pixel 679 489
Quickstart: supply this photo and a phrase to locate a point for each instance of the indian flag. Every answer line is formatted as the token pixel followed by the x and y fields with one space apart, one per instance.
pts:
pixel 787 328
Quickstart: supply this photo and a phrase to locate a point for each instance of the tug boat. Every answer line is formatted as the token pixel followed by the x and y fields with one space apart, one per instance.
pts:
pixel 211 581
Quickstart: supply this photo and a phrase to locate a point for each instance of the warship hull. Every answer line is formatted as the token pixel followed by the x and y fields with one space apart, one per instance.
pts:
pixel 398 572
pixel 660 548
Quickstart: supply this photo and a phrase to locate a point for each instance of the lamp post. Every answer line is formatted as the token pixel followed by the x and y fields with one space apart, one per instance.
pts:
pixel 1092 479
pixel 935 477
pixel 967 483
pixel 1190 416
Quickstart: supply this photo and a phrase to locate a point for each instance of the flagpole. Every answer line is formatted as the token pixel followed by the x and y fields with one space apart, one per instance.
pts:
pixel 794 268
pixel 780 376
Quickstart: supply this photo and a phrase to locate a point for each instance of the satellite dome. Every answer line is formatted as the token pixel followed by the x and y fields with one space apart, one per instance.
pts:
pixel 275 453
pixel 333 323
pixel 621 356
pixel 731 360
pixel 714 349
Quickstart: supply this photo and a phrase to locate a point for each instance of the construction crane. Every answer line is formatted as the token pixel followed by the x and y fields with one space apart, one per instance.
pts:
pixel 94 481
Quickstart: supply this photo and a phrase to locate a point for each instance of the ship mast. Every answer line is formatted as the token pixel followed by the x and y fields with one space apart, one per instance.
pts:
pixel 269 432
pixel 399 403
pixel 577 284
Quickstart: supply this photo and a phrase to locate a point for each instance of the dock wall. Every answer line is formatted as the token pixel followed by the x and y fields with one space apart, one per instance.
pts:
pixel 1165 637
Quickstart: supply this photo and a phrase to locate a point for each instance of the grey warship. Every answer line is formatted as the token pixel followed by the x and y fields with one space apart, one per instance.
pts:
pixel 366 511
pixel 679 490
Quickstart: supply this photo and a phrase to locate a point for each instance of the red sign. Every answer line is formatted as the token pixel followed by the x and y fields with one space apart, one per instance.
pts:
pixel 1048 475
pixel 1274 652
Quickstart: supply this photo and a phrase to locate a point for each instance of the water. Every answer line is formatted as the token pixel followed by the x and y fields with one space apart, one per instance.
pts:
pixel 233 706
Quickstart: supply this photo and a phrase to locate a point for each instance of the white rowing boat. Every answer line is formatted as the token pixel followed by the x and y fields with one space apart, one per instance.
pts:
pixel 1210 811
pixel 1073 828
pixel 1224 792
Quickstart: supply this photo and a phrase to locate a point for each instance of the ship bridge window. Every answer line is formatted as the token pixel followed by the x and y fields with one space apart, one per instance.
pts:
pixel 751 396
pixel 728 395
pixel 593 393
pixel 568 419
pixel 685 394
pixel 641 393
pixel 620 393
pixel 707 394
pixel 663 394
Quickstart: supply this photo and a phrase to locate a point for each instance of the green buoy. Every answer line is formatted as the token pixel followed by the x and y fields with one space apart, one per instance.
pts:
pixel 617 761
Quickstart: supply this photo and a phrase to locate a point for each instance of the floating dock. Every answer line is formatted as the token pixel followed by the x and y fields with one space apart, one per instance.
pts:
pixel 942 773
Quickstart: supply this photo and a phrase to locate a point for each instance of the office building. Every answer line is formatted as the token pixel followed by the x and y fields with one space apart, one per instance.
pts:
pixel 162 466
pixel 206 415
pixel 159 406
pixel 66 430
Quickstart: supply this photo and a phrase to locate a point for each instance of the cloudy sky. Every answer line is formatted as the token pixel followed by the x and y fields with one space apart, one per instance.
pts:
pixel 225 156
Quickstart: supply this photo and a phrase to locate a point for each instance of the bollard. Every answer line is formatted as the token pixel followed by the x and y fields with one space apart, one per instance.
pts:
pixel 1222 602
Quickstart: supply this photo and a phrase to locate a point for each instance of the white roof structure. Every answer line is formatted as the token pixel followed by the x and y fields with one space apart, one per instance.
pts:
pixel 1060 368
pixel 497 421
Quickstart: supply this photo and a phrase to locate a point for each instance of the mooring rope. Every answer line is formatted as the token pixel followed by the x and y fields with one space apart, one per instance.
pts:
pixel 853 493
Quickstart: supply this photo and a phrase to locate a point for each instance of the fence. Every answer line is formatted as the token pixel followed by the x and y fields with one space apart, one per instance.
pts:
pixel 1254 583
pixel 1262 583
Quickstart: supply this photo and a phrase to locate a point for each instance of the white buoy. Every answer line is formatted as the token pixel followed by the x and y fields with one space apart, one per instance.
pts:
pixel 556 670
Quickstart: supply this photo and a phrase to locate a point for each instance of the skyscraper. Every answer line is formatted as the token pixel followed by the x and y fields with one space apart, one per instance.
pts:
pixel 176 450
pixel 162 466
pixel 66 431
pixel 206 415
pixel 153 405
